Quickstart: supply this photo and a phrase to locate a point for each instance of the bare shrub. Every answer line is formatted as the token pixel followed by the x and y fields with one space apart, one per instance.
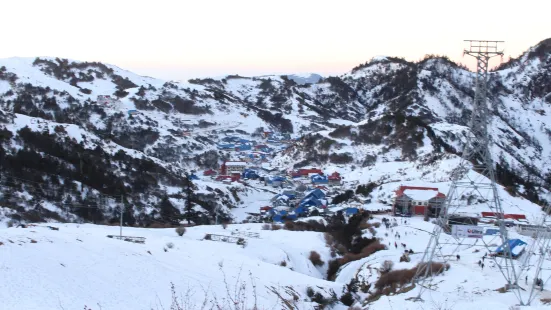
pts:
pixel 276 227
pixel 181 230
pixel 372 248
pixel 377 225
pixel 155 225
pixel 347 299
pixel 266 227
pixel 310 292
pixel 332 269
pixel 315 258
pixel 310 225
pixel 225 225
pixel 170 245
pixel 283 263
pixel 208 237
pixel 435 268
pixel 387 266
pixel 365 224
pixel 289 225
pixel 395 277
pixel 366 251
pixel 10 223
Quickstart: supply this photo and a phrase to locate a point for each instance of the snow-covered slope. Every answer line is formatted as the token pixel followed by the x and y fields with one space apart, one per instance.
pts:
pixel 79 266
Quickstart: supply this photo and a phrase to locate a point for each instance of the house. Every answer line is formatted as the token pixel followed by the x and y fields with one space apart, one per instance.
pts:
pixel 106 100
pixel 351 211
pixel 492 215
pixel 496 215
pixel 280 201
pixel 290 193
pixel 418 200
pixel 209 172
pixel 311 202
pixel 265 209
pixel 323 188
pixel 226 146
pixel 316 193
pixel 319 179
pixel 275 181
pixel 335 179
pixel 534 230
pixel 517 217
pixel 243 147
pixel 463 220
pixel 230 139
pixel 250 174
pixel 233 167
pixel 306 171
pixel 224 178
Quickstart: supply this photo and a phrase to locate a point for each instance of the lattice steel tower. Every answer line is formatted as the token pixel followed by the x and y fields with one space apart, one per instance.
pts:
pixel 479 183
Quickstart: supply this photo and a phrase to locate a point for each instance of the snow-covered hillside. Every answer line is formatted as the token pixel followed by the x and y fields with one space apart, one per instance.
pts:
pixel 80 140
pixel 79 266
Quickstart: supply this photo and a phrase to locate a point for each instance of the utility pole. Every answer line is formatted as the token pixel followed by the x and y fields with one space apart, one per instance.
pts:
pixel 479 182
pixel 122 211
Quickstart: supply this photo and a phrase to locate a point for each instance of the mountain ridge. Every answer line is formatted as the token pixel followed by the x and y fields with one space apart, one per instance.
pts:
pixel 392 109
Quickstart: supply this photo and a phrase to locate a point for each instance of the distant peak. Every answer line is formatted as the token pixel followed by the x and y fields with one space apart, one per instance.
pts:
pixel 305 78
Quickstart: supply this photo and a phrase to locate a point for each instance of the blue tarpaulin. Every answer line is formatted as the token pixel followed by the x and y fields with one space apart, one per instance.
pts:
pixel 513 243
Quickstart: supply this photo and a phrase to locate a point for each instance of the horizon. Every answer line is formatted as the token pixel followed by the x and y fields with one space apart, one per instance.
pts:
pixel 184 40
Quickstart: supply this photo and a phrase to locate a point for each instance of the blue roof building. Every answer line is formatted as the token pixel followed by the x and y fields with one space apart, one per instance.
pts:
pixel 226 146
pixel 319 179
pixel 316 193
pixel 243 147
pixel 351 211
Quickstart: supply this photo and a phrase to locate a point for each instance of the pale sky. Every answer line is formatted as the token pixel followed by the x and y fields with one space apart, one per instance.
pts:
pixel 182 39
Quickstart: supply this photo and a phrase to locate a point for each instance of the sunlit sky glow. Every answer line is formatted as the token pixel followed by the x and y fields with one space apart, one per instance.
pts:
pixel 182 39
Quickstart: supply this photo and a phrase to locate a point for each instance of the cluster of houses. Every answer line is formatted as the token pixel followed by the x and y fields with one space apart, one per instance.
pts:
pixel 306 193
pixel 292 204
pixel 251 151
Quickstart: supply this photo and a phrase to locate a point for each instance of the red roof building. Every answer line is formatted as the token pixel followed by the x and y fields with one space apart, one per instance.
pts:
pixel 306 172
pixel 209 172
pixel 335 179
pixel 418 200
pixel 232 167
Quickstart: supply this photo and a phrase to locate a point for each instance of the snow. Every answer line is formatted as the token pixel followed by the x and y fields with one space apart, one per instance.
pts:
pixel 4 86
pixel 379 58
pixel 236 163
pixel 77 266
pixel 421 195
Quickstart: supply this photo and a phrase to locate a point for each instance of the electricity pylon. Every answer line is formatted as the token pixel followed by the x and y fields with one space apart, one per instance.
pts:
pixel 540 248
pixel 478 184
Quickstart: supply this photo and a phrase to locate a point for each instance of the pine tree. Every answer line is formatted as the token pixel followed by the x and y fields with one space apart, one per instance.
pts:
pixel 188 190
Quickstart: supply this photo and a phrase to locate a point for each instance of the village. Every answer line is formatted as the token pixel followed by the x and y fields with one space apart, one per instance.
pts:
pixel 310 192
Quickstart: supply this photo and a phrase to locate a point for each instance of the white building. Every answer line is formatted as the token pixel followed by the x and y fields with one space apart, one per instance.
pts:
pixel 231 167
